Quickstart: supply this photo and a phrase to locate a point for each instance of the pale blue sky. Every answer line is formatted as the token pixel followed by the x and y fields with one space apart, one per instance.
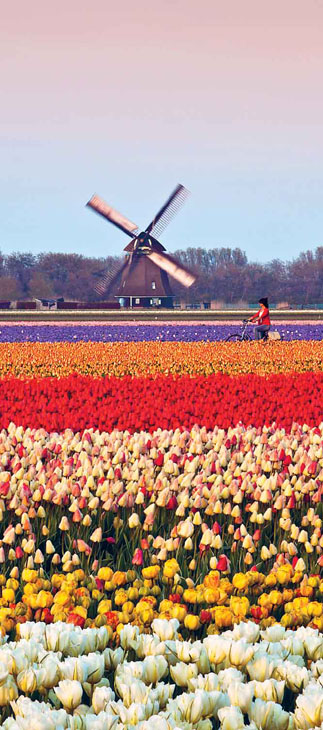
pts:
pixel 128 99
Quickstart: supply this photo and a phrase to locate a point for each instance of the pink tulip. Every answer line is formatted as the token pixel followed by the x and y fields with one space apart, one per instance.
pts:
pixel 138 557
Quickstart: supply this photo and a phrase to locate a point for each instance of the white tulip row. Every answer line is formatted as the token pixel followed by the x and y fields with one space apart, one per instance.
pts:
pixel 60 677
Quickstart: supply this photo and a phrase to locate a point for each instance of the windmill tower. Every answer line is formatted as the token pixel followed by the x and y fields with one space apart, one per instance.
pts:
pixel 142 280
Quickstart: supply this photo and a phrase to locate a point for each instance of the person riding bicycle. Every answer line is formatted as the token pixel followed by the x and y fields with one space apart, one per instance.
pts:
pixel 263 320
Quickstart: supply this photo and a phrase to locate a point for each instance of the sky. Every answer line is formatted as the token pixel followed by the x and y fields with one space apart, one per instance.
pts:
pixel 128 98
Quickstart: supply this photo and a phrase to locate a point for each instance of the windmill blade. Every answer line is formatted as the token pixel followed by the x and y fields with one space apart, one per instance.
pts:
pixel 170 265
pixel 168 211
pixel 108 277
pixel 100 206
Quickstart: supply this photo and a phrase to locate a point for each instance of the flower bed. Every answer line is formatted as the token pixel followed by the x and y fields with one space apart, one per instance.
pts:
pixel 160 565
pixel 206 527
pixel 134 332
pixel 158 358
pixel 270 679
pixel 80 402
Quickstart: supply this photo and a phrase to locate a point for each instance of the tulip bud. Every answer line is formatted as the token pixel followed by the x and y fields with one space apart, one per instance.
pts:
pixel 64 524
pixel 39 558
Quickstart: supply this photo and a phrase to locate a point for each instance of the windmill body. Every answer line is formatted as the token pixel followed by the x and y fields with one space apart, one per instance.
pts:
pixel 143 278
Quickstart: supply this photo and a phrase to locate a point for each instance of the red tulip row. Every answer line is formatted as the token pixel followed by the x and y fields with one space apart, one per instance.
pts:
pixel 80 402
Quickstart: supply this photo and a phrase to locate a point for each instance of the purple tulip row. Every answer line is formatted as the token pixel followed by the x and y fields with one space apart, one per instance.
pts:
pixel 142 332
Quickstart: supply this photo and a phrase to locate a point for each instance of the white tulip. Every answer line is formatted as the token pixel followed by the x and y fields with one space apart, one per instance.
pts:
pixel 102 638
pixel 204 725
pixel 248 631
pixel 201 706
pixel 241 695
pixel 27 680
pixel 165 629
pixel 101 697
pixel 274 633
pixel 112 659
pixel 309 708
pixel 261 668
pixel 293 645
pixel 132 691
pixel 188 652
pixel 203 663
pixel 209 682
pixel 181 673
pixel 95 666
pixel 313 646
pixel 55 636
pixel 154 668
pixel 134 714
pixel 163 693
pixel 77 642
pixel 296 678
pixel 102 721
pixel 268 715
pixel 231 718
pixel 217 648
pixel 80 669
pixel 129 637
pixel 69 692
pixel 151 646
pixel 227 676
pixel 240 653
pixel 269 690
pixel 52 675
pixel 3 674
pixel 316 668
pixel 8 692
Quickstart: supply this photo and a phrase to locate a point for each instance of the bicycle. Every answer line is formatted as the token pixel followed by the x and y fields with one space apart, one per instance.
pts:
pixel 244 335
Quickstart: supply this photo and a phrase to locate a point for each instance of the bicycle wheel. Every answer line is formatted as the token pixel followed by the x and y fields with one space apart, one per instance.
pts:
pixel 236 337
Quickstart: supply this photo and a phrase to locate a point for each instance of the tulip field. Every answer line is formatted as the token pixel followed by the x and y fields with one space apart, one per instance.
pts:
pixel 161 546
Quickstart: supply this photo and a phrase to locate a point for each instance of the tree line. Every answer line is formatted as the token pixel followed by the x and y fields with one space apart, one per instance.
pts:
pixel 223 274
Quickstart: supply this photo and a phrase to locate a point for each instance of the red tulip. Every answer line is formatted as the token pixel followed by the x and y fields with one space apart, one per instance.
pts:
pixel 172 502
pixel 223 564
pixel 175 598
pixel 205 617
pixel 74 618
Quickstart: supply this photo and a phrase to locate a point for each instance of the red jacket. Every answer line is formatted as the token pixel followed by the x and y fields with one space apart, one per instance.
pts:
pixel 262 316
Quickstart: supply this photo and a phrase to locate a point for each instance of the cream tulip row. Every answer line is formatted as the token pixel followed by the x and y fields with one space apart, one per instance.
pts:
pixel 61 677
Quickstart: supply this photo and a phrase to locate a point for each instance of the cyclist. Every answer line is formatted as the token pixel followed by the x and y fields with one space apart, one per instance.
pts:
pixel 262 319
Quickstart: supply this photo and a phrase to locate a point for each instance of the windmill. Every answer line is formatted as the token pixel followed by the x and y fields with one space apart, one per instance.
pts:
pixel 143 276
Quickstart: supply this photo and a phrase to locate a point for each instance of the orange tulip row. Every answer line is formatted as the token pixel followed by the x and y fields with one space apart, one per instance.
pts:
pixel 152 358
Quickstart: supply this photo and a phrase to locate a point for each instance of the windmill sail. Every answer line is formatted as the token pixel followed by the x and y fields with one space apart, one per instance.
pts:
pixel 108 278
pixel 172 268
pixel 168 211
pixel 111 214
